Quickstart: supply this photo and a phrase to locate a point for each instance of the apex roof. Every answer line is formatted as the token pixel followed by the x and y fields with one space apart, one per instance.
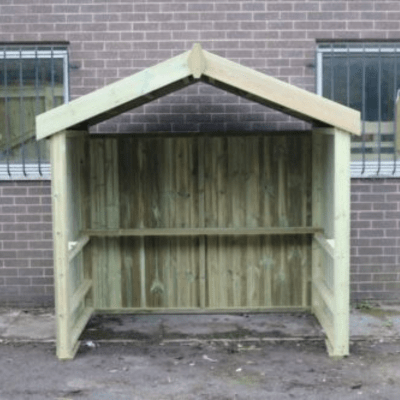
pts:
pixel 186 69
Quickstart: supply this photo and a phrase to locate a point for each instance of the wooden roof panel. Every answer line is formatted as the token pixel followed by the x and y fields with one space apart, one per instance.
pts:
pixel 183 70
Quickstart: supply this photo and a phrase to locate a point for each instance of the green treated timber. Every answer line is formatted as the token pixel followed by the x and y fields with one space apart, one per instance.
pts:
pixel 202 231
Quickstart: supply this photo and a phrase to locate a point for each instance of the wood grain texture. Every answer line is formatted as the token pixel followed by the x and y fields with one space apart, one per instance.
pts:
pixel 183 70
pixel 193 202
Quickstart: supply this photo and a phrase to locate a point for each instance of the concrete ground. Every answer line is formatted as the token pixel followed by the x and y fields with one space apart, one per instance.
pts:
pixel 39 326
pixel 205 357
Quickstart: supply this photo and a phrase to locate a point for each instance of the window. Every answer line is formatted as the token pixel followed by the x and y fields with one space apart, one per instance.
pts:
pixel 32 80
pixel 365 77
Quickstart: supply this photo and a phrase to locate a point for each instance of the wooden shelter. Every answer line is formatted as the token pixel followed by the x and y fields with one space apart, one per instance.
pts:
pixel 200 223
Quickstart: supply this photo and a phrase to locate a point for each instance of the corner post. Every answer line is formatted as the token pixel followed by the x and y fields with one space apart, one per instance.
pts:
pixel 341 271
pixel 59 171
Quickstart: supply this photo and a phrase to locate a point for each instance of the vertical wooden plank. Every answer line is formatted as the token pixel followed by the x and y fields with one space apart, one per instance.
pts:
pixel 341 268
pixel 112 205
pixel 170 221
pixel 142 193
pixel 236 182
pixel 58 146
pixel 222 253
pixel 306 217
pixel 100 245
pixel 129 187
pixel 209 171
pixel 283 220
pixel 252 221
pixel 317 207
pixel 183 217
pixel 198 210
pixel 267 196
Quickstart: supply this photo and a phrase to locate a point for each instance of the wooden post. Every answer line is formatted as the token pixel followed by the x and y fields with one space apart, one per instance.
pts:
pixel 58 151
pixel 331 250
pixel 341 272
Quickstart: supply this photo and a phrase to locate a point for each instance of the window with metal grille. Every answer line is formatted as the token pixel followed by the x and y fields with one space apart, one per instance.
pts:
pixel 33 79
pixel 365 76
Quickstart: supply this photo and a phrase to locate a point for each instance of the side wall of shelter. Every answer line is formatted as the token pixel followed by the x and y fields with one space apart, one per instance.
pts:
pixel 26 264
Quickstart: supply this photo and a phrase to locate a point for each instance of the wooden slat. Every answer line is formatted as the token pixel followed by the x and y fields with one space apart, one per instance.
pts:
pixel 203 231
pixel 209 310
pixel 78 247
pixel 325 293
pixel 325 244
pixel 81 323
pixel 30 91
pixel 325 321
pixel 80 294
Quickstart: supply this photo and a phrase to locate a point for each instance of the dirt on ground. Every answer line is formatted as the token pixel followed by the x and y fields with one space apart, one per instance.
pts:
pixel 206 370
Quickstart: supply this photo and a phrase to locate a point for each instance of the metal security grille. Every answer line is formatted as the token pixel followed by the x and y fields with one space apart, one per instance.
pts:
pixel 365 76
pixel 32 80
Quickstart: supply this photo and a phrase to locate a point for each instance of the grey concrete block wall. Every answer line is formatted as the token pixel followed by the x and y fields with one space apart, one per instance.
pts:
pixel 109 40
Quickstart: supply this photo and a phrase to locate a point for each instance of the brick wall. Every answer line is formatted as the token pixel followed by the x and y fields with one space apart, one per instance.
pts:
pixel 111 39
pixel 26 263
pixel 375 239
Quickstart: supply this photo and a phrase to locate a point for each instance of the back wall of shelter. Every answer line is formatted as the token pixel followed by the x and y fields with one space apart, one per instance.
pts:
pixel 112 40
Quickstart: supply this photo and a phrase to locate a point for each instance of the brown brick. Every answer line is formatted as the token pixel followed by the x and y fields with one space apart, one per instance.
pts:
pixel 309 6
pixel 42 281
pixel 267 16
pixel 10 271
pixel 294 16
pixel 168 7
pixel 372 233
pixel 28 290
pixel 13 280
pixel 8 254
pixel 360 5
pixel 361 277
pixel 14 227
pixel 15 263
pixel 259 25
pixel 393 286
pixel 186 17
pixel 201 7
pixel 371 286
pixel 249 6
pixel 15 245
pixel 320 16
pixel 374 15
pixel 387 25
pixel 384 277
pixel 280 25
pixel 276 6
